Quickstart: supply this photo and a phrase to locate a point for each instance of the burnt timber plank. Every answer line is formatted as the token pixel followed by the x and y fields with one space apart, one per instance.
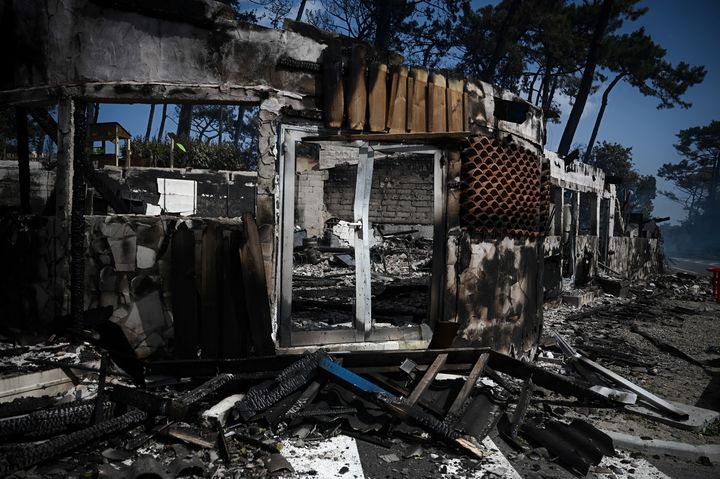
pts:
pixel 467 388
pixel 356 101
pixel 211 293
pixel 427 378
pixel 257 300
pixel 231 335
pixel 397 108
pixel 417 106
pixel 377 99
pixel 184 292
pixel 437 103
pixel 334 96
pixel 243 346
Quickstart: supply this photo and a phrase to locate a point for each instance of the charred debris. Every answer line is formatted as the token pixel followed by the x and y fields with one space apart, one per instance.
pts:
pixel 252 417
pixel 379 273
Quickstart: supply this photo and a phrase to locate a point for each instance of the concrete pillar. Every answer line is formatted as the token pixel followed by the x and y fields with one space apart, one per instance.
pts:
pixel 63 204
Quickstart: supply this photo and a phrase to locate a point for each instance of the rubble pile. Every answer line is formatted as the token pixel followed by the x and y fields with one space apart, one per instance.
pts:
pixel 324 283
pixel 293 414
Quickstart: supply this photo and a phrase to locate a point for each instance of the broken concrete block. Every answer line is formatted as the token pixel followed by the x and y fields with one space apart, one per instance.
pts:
pixel 145 257
pixel 122 240
pixel 616 287
pixel 220 413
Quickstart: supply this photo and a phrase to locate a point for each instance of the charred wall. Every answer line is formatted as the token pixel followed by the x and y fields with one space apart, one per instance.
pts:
pixel 635 258
pixel 492 290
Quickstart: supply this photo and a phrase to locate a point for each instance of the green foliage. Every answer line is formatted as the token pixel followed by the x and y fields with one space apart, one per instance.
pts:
pixel 420 30
pixel 697 175
pixel 197 154
pixel 616 160
pixel 641 62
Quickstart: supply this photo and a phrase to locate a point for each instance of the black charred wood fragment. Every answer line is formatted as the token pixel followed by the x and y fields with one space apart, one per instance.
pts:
pixel 522 407
pixel 289 380
pixel 98 410
pixel 56 419
pixel 578 445
pixel 29 456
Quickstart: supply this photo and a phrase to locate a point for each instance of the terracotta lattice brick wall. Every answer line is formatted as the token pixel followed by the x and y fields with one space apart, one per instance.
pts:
pixel 504 189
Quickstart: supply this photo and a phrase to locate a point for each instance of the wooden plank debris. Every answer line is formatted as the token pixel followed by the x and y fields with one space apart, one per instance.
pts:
pixel 427 378
pixel 255 285
pixel 467 388
pixel 211 292
pixel 184 297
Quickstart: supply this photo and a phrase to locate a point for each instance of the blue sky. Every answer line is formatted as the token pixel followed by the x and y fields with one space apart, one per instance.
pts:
pixel 689 31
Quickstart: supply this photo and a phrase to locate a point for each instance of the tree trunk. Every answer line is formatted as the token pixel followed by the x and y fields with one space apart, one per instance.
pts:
pixel 220 124
pixel 238 126
pixel 500 42
pixel 599 117
pixel 150 122
pixel 301 10
pixel 383 23
pixel 161 130
pixel 714 180
pixel 587 78
pixel 184 122
pixel 531 88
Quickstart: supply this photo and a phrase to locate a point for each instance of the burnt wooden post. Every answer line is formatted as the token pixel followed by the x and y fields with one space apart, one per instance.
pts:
pixel 63 202
pixel 77 223
pixel 23 157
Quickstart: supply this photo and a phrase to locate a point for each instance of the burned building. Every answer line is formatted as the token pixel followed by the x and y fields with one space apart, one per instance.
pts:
pixel 359 155
pixel 398 222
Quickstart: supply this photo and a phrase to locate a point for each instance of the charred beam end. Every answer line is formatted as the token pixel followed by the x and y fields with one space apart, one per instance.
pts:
pixel 301 65
pixel 307 114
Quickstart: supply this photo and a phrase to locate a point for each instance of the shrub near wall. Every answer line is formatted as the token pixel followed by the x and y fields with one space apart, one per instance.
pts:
pixel 223 156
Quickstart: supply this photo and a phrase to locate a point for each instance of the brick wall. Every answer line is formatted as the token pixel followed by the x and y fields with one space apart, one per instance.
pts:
pixel 402 191
pixel 310 211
